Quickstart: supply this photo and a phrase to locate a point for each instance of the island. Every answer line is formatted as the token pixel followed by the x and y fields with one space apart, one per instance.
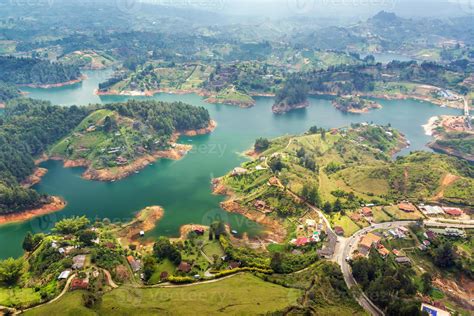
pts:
pixel 354 104
pixel 291 97
pixel 121 138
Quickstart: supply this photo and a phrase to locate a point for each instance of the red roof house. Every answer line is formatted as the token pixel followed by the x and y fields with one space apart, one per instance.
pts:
pixel 339 230
pixel 366 211
pixel 453 211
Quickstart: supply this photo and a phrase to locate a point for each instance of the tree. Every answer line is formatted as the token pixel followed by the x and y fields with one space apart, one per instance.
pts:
pixel 71 225
pixel 11 270
pixel 444 255
pixel 28 242
pixel 164 249
pixel 327 207
pixel 261 144
pixel 87 236
pixel 311 195
pixel 276 164
pixel 426 283
pixel 148 267
pixel 337 205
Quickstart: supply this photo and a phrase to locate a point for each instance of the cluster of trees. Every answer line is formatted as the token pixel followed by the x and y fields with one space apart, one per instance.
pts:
pixel 261 144
pixel 36 71
pixel 287 262
pixel 294 92
pixel 389 285
pixel 27 128
pixel 8 91
pixel 164 249
pixel 165 118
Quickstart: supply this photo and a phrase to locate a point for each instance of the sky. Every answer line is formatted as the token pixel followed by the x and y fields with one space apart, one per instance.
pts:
pixel 348 8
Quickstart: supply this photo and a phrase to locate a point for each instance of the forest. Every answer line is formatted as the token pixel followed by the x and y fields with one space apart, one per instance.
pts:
pixel 7 92
pixel 31 71
pixel 27 128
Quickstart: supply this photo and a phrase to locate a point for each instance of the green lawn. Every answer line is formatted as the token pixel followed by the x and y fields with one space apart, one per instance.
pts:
pixel 396 213
pixel 70 304
pixel 346 223
pixel 19 297
pixel 163 266
pixel 239 295
pixel 212 248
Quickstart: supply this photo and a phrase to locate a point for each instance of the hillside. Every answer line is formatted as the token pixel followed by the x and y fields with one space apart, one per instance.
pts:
pixel 338 171
pixel 27 128
pixel 120 139
pixel 36 72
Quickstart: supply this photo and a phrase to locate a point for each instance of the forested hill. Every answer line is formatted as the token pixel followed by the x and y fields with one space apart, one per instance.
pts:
pixel 7 92
pixel 35 71
pixel 26 129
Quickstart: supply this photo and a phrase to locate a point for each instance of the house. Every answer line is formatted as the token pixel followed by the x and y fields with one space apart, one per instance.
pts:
pixel 368 241
pixel 238 171
pixel 78 262
pixel 367 212
pixel 260 204
pixel 433 311
pixel 199 230
pixel 403 260
pixel 356 217
pixel 339 230
pixel 163 275
pixel 407 207
pixel 422 247
pixel 426 243
pixel 431 210
pixel 453 211
pixel 64 275
pixel 135 264
pixel 234 265
pixel 62 251
pixel 384 252
pixel 184 267
pixel 396 252
pixel 301 241
pixel 430 235
pixel 310 223
pixel 454 232
pixel 79 284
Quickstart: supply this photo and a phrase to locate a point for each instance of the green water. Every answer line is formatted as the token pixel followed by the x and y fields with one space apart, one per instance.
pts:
pixel 183 187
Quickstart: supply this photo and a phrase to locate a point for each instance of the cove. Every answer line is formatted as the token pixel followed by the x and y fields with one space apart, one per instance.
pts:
pixel 182 187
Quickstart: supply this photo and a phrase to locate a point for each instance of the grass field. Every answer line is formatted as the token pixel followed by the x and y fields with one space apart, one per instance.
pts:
pixel 243 294
pixel 19 297
pixel 396 213
pixel 346 223
pixel 70 304
pixel 379 215
pixel 163 266
pixel 213 248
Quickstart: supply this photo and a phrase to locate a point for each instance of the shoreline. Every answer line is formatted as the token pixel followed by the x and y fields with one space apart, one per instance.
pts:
pixel 117 173
pixel 34 178
pixel 57 204
pixel 282 108
pixel 145 220
pixel 274 230
pixel 55 85
pixel 372 105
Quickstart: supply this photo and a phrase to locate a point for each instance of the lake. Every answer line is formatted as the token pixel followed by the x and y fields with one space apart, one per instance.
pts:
pixel 182 187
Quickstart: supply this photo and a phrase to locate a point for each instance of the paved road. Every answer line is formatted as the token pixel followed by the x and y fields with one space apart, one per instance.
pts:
pixel 344 249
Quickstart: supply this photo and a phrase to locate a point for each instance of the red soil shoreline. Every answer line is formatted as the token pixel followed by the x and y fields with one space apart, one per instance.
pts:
pixel 55 205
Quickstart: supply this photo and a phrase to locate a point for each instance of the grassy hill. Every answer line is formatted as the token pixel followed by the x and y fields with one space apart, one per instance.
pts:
pixel 241 294
pixel 119 134
pixel 347 167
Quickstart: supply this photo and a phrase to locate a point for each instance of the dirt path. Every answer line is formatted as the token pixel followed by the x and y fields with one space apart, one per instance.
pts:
pixel 445 182
pixel 110 281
